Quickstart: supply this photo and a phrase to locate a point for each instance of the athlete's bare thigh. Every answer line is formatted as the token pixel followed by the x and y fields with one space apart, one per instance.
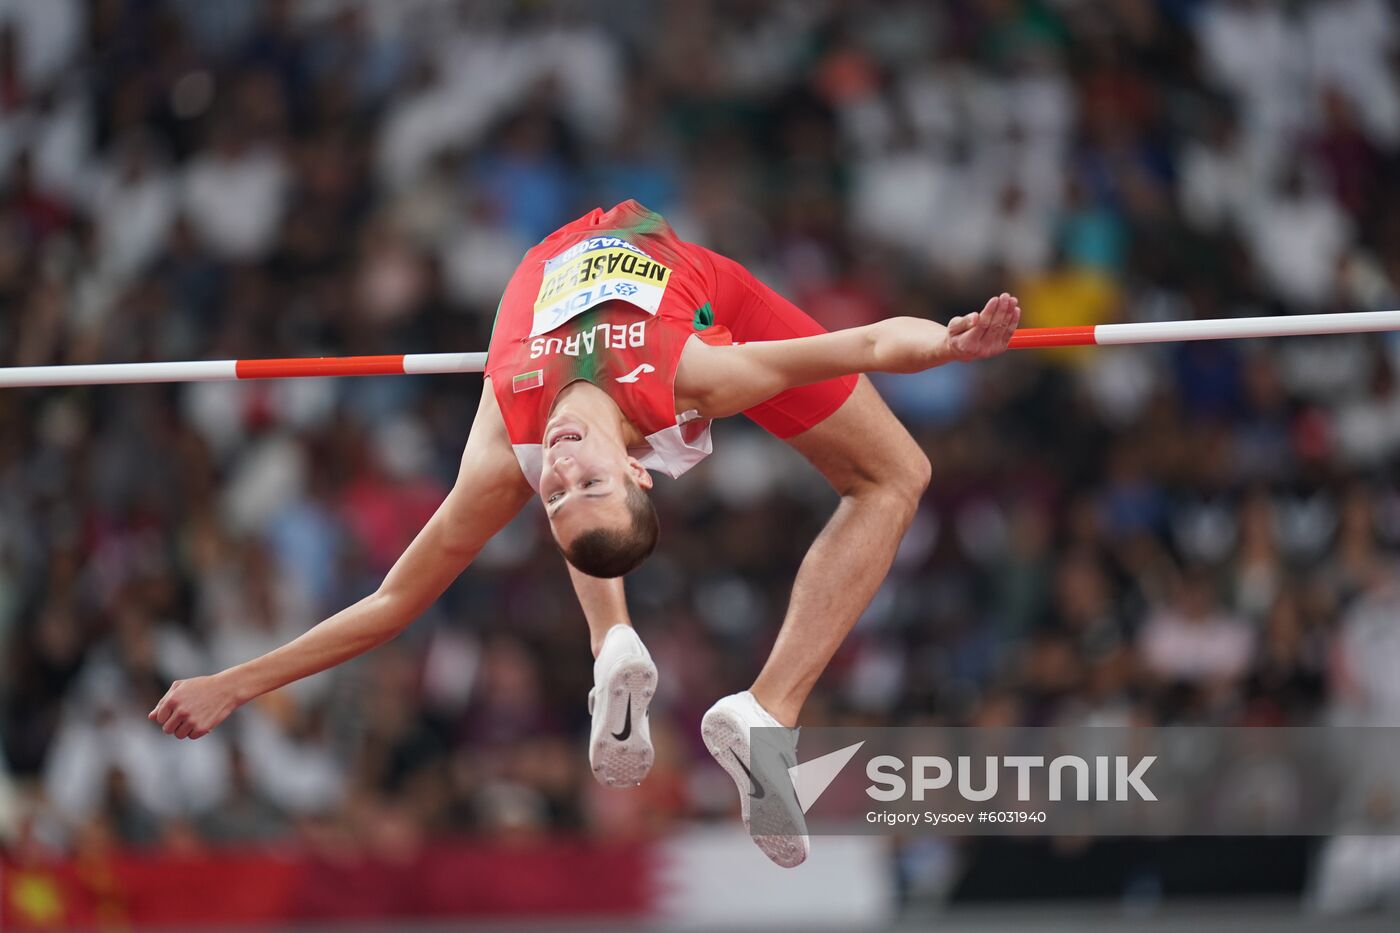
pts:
pixel 861 443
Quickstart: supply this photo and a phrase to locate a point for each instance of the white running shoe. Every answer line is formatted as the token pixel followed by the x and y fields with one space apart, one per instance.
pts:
pixel 768 802
pixel 624 679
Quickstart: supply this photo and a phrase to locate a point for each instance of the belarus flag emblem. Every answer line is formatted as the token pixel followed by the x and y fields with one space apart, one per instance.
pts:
pixel 526 381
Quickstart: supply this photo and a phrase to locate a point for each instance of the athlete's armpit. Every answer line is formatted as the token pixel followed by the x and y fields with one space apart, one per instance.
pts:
pixel 490 488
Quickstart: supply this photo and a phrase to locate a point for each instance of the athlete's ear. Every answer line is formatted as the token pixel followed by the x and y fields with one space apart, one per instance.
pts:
pixel 639 472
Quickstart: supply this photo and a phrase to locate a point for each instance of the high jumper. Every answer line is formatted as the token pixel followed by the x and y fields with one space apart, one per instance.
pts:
pixel 615 346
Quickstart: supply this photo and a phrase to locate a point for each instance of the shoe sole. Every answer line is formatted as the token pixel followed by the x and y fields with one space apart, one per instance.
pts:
pixel 726 738
pixel 624 763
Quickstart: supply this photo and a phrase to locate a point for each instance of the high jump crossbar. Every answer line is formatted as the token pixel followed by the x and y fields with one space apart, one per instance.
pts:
pixel 415 364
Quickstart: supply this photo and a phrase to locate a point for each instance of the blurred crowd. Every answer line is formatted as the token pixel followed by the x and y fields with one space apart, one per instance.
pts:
pixel 1196 533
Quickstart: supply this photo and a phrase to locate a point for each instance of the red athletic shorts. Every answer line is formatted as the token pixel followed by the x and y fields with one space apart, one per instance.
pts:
pixel 753 311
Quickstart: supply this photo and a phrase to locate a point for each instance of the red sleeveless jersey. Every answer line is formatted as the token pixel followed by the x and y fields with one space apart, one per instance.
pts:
pixel 611 298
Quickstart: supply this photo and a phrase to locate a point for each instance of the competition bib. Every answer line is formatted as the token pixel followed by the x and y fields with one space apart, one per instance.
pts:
pixel 595 270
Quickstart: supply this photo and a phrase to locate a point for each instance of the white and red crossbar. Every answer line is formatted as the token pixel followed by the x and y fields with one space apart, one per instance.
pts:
pixel 411 364
pixel 1301 325
pixel 1101 335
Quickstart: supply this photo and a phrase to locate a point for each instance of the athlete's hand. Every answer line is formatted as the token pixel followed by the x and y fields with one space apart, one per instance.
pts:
pixel 911 344
pixel 191 708
pixel 984 333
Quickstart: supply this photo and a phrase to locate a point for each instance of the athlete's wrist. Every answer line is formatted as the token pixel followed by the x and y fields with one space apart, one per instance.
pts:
pixel 888 351
pixel 238 683
pixel 910 345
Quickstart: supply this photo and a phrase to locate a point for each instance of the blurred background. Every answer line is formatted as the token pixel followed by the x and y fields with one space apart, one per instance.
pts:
pixel 1188 534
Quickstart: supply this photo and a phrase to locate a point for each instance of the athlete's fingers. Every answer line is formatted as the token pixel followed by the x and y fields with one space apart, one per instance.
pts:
pixel 184 731
pixel 1015 321
pixel 991 318
pixel 962 324
pixel 1008 312
pixel 1008 315
pixel 1002 313
pixel 163 710
pixel 998 321
pixel 972 339
pixel 986 332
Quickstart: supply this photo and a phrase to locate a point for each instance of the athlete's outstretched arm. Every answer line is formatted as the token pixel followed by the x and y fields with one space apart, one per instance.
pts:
pixel 604 604
pixel 726 380
pixel 489 491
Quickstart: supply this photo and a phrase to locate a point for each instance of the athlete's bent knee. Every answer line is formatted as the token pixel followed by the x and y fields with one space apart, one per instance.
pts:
pixel 898 486
pixel 910 480
pixel 919 473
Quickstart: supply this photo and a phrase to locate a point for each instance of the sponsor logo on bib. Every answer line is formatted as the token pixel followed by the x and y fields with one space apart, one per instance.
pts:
pixel 595 270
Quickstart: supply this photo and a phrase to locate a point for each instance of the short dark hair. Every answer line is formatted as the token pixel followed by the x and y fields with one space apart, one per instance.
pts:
pixel 610 552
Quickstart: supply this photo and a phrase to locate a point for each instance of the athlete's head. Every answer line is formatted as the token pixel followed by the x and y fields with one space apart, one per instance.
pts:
pixel 595 496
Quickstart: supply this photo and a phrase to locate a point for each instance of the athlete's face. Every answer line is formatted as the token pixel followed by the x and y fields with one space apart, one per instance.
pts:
pixel 585 479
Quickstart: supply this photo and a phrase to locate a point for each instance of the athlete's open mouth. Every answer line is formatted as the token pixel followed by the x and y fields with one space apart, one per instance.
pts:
pixel 567 432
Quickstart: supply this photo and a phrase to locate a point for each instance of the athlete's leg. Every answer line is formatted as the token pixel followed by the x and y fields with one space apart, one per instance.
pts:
pixel 624 681
pixel 880 473
pixel 846 431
